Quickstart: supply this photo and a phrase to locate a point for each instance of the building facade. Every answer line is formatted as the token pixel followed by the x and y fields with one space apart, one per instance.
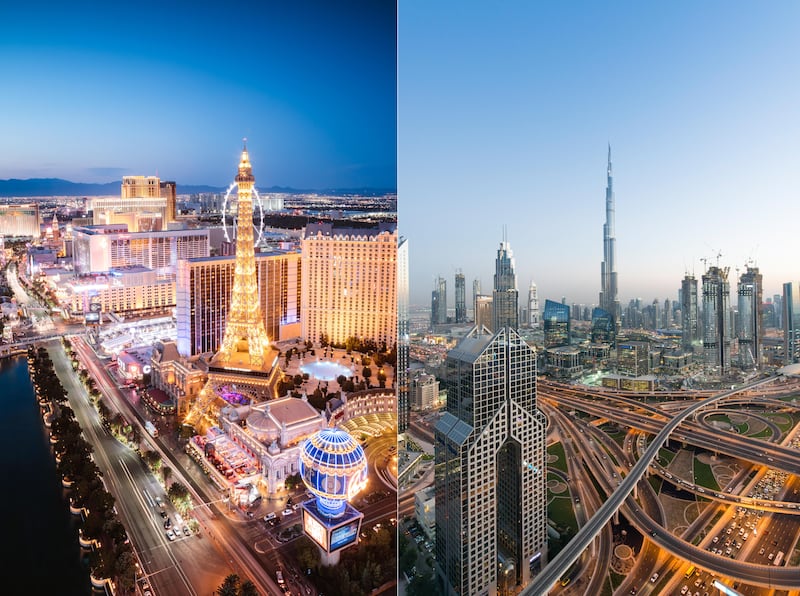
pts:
pixel 505 298
pixel 203 295
pixel 349 283
pixel 424 391
pixel 791 322
pixel 403 337
pixel 98 249
pixel 20 220
pixel 461 298
pixel 556 324
pixel 439 302
pixel 690 320
pixel 533 306
pixel 491 502
pixel 716 320
pixel 750 326
pixel 609 300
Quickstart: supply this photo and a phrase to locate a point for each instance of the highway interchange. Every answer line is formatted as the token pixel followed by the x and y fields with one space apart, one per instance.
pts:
pixel 591 456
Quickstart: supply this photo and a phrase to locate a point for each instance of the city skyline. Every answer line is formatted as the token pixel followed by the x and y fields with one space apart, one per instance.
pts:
pixel 99 91
pixel 696 104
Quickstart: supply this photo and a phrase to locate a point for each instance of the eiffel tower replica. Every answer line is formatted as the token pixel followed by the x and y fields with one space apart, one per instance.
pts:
pixel 245 369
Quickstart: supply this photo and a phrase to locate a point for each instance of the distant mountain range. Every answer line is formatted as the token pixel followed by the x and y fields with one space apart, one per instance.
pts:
pixel 50 187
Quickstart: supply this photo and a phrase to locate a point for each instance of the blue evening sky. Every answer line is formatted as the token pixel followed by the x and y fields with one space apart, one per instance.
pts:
pixel 505 110
pixel 90 91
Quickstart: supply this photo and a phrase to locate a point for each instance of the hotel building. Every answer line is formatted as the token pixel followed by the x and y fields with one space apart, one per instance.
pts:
pixel 491 502
pixel 98 249
pixel 349 283
pixel 204 293
pixel 20 220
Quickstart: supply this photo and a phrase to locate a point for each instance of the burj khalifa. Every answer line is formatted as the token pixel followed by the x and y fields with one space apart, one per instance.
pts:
pixel 609 300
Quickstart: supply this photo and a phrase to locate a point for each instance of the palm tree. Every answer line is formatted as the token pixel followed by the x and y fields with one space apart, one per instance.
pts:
pixel 229 587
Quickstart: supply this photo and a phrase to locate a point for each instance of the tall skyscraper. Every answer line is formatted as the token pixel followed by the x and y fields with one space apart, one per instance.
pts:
pixel 505 298
pixel 439 302
pixel 791 322
pixel 533 306
pixel 609 300
pixel 491 504
pixel 750 325
pixel 716 319
pixel 484 313
pixel 245 369
pixel 691 327
pixel 403 340
pixel 476 291
pixel 556 324
pixel 349 283
pixel 461 298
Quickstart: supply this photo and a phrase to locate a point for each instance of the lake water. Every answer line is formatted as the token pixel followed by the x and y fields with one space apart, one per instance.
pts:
pixel 40 552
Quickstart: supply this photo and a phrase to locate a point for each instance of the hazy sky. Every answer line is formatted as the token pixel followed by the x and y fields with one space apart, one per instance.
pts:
pixel 90 91
pixel 505 112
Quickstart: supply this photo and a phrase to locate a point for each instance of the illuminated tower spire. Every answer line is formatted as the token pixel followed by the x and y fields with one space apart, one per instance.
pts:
pixel 245 341
pixel 609 300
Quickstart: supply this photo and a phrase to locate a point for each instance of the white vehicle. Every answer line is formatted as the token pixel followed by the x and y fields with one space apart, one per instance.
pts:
pixel 270 516
pixel 287 512
pixel 279 577
pixel 654 579
pixel 170 535
pixel 151 428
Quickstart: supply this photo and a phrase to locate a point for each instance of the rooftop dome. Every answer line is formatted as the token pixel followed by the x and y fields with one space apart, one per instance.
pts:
pixel 334 468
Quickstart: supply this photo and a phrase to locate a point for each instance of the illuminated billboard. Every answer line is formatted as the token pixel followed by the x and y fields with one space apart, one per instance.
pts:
pixel 315 530
pixel 344 535
pixel 92 317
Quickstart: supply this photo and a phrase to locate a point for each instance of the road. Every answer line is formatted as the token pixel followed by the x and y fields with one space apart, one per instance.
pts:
pixel 188 565
pixel 557 567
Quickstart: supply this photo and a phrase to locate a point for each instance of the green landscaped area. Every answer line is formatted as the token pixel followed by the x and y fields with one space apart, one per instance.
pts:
pixel 742 428
pixel 560 512
pixel 781 421
pixel 718 418
pixel 762 434
pixel 655 482
pixel 558 450
pixel 616 579
pixel 665 457
pixel 704 476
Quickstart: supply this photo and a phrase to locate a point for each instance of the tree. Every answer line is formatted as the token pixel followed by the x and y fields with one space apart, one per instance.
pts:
pixel 248 588
pixel 366 372
pixel 229 587
pixel 166 473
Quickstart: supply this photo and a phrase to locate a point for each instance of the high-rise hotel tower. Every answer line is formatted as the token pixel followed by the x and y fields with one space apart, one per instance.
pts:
pixel 505 298
pixel 491 503
pixel 609 300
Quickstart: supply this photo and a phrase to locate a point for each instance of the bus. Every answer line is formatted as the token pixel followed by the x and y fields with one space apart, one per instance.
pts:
pixel 689 571
pixel 778 558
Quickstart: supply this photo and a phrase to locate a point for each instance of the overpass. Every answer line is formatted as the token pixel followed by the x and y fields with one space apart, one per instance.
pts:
pixel 776 576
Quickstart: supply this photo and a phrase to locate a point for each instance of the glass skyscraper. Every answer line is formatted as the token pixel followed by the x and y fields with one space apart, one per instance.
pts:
pixel 491 502
pixel 505 298
pixel 556 324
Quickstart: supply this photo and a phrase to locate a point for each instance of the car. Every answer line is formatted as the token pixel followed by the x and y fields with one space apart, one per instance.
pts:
pixel 186 531
pixel 286 512
pixel 771 556
pixel 654 579
pixel 167 523
pixel 761 552
pixel 684 589
pixel 715 540
pixel 270 516
pixel 633 590
pixel 170 535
